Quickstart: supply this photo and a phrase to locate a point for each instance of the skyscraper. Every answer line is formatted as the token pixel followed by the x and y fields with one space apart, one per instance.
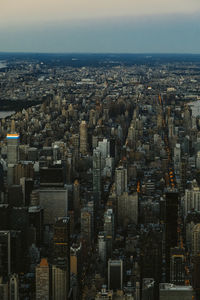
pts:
pixel 83 138
pixel 177 266
pixel 5 253
pixel 196 240
pixel 127 209
pixel 76 200
pixel 115 274
pixel 60 283
pixel 97 173
pixel 12 146
pixel 192 199
pixel 171 224
pixel 120 180
pixel 12 154
pixel 14 287
pixel 86 225
pixel 42 280
pixel 61 253
pixel 196 275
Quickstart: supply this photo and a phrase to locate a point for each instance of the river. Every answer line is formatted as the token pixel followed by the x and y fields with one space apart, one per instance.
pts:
pixel 2 64
pixel 4 114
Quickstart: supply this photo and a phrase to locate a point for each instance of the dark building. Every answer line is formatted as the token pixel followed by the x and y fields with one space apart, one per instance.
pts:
pixel 196 276
pixel 5 253
pixel 15 195
pixel 27 188
pixel 51 176
pixel 171 224
pixel 61 250
pixel 4 216
pixel 151 256
pixel 36 218
pixel 177 266
pixel 10 253
pixel 115 274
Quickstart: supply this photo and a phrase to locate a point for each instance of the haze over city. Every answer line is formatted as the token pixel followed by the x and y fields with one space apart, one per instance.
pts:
pixel 100 26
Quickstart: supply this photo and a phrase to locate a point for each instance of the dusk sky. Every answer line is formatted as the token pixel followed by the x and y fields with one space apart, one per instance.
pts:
pixel 100 26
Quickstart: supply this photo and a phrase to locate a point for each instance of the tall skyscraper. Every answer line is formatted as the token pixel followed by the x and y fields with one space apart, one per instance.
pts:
pixel 12 146
pixel 97 174
pixel 83 138
pixel 75 260
pixel 115 274
pixel 177 266
pixel 5 253
pixel 196 240
pixel 61 253
pixel 76 200
pixel 196 275
pixel 120 180
pixel 14 287
pixel 12 153
pixel 171 224
pixel 102 247
pixel 109 230
pixel 42 280
pixel 192 199
pixel 60 283
pixel 127 209
pixel 86 225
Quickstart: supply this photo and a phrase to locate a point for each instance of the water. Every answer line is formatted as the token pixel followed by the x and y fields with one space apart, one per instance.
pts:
pixel 4 114
pixel 2 64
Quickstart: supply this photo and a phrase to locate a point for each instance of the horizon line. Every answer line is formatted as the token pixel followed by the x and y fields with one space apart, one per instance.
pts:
pixel 98 53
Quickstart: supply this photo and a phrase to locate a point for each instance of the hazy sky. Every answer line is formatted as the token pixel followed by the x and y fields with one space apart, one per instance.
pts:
pixel 100 26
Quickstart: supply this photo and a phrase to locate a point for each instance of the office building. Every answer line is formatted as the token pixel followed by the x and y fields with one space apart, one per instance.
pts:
pixel 170 291
pixel 61 254
pixel 5 253
pixel 127 209
pixel 196 275
pixel 54 202
pixel 148 289
pixel 76 200
pixel 3 289
pixel 196 240
pixel 102 251
pixel 14 287
pixel 120 181
pixel 12 148
pixel 171 224
pixel 83 138
pixel 76 260
pixel 109 223
pixel 4 216
pixel 15 196
pixel 60 283
pixel 42 280
pixel 86 225
pixel 115 274
pixel 177 266
pixel 23 169
pixel 97 174
pixel 192 199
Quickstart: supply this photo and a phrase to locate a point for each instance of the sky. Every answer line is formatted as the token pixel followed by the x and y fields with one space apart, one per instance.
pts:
pixel 116 26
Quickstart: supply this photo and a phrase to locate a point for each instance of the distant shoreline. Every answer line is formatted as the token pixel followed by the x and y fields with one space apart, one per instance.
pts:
pixel 4 114
pixel 3 64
